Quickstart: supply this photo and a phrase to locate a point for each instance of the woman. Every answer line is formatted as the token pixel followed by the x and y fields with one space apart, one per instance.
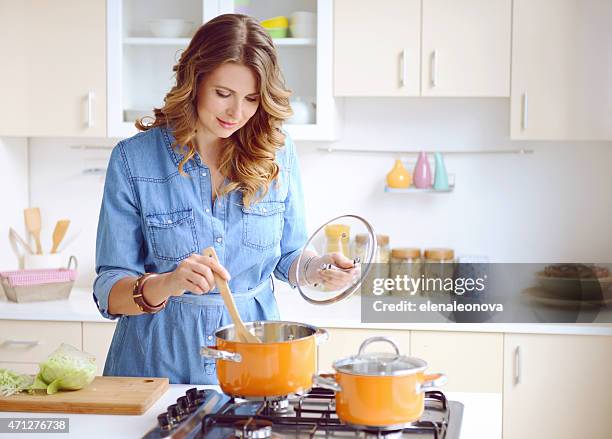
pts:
pixel 212 169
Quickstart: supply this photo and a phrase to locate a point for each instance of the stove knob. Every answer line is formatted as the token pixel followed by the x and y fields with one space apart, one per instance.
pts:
pixel 164 422
pixel 184 403
pixel 192 395
pixel 176 413
pixel 201 396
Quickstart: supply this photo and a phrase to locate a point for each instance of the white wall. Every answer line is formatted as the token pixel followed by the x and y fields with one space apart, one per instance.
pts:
pixel 13 195
pixel 553 205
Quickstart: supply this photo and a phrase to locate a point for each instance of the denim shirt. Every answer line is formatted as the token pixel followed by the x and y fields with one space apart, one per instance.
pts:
pixel 152 217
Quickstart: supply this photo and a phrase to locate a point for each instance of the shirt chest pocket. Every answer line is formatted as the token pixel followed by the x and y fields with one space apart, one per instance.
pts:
pixel 173 234
pixel 263 224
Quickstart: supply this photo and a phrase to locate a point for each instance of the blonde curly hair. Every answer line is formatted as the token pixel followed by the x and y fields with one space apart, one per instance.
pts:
pixel 248 156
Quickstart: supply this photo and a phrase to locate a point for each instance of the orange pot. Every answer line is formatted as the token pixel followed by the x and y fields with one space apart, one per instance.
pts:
pixel 284 363
pixel 381 390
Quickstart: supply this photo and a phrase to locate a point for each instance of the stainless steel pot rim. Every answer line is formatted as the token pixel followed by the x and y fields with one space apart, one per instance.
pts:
pixel 261 323
pixel 400 365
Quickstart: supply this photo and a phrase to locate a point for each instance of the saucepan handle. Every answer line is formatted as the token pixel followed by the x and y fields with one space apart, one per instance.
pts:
pixel 321 335
pixel 327 381
pixel 433 382
pixel 217 354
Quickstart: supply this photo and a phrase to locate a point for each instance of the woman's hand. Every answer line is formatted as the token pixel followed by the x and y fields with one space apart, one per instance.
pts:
pixel 195 274
pixel 333 270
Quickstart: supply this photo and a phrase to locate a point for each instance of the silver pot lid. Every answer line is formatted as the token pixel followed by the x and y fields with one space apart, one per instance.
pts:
pixel 380 363
pixel 349 235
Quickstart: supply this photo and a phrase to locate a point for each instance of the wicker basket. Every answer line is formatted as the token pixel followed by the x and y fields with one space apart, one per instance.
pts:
pixel 39 285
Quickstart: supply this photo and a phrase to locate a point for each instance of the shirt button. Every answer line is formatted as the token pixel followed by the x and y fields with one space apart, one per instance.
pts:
pixel 207 210
pixel 209 338
pixel 203 174
pixel 263 209
pixel 219 240
pixel 169 221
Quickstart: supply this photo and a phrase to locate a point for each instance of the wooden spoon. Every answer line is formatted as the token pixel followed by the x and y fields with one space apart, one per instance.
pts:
pixel 32 222
pixel 242 332
pixel 58 233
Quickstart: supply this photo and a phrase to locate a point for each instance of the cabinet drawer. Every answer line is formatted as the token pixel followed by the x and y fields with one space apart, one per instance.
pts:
pixel 33 341
pixel 29 368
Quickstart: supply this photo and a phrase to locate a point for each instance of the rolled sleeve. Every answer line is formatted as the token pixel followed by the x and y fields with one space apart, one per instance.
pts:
pixel 120 240
pixel 294 229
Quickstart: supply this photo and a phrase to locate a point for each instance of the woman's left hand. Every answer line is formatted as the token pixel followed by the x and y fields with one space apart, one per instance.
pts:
pixel 339 271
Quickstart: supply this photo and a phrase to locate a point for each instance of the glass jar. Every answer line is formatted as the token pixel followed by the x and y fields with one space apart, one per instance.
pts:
pixel 338 239
pixel 438 270
pixel 380 263
pixel 406 264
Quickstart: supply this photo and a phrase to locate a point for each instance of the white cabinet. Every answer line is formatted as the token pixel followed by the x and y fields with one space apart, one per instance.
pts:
pixel 557 386
pixel 97 338
pixel 473 362
pixel 466 48
pixel 140 65
pixel 55 69
pixel 24 344
pixel 422 48
pixel 561 70
pixel 377 51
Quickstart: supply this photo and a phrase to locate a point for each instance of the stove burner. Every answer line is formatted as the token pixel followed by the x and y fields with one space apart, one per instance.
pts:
pixel 253 429
pixel 382 434
pixel 279 407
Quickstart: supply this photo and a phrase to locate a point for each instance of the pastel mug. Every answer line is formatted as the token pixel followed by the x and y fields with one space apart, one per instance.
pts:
pixel 38 262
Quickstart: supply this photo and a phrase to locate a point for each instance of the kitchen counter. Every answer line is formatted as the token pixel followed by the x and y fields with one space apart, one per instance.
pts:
pixel 482 418
pixel 347 314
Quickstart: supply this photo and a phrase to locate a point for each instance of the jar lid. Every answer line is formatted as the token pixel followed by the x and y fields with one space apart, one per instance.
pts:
pixel 319 290
pixel 380 363
pixel 439 254
pixel 382 239
pixel 406 253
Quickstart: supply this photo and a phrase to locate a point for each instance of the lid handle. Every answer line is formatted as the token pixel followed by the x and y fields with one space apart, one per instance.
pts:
pixel 371 340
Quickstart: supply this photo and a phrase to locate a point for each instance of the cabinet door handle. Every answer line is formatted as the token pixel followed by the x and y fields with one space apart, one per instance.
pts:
pixel 433 74
pixel 524 118
pixel 25 343
pixel 402 78
pixel 517 365
pixel 90 97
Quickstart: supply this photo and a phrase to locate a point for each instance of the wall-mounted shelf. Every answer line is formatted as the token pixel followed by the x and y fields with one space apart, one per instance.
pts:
pixel 414 190
pixel 520 151
pixel 184 42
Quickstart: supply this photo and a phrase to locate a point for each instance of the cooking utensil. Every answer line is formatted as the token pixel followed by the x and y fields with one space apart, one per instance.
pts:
pixel 19 246
pixel 318 243
pixel 33 225
pixel 242 332
pixel 283 364
pixel 58 233
pixel 105 395
pixel 74 234
pixel 380 390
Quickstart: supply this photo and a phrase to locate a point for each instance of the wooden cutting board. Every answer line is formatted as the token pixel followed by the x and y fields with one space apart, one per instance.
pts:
pixel 105 395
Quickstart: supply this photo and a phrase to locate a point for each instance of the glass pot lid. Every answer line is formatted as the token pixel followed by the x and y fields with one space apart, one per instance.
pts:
pixel 380 363
pixel 335 259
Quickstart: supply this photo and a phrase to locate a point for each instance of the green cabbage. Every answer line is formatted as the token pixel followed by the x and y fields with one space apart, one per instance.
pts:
pixel 66 369
pixel 12 382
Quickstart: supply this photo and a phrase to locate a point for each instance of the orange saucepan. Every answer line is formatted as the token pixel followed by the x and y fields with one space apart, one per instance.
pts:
pixel 283 364
pixel 379 390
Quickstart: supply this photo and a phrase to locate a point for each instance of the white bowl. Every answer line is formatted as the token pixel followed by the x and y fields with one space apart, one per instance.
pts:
pixel 171 27
pixel 303 30
pixel 303 17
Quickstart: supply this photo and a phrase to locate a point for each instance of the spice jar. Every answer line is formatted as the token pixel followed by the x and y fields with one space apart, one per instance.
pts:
pixel 438 270
pixel 406 264
pixel 338 239
pixel 380 264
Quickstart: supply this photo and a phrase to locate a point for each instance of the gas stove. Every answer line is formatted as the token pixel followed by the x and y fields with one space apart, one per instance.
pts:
pixel 210 414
